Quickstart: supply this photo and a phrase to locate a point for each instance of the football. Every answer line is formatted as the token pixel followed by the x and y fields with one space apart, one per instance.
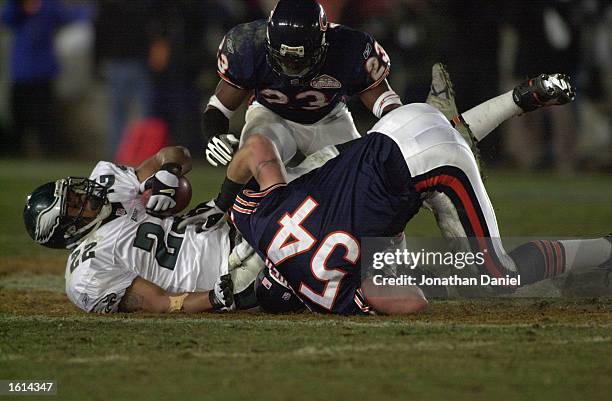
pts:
pixel 183 197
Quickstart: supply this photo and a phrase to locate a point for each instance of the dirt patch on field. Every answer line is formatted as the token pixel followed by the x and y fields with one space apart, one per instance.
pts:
pixel 589 311
pixel 53 265
pixel 35 303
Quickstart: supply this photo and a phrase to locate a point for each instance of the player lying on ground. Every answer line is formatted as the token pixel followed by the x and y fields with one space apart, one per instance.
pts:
pixel 309 231
pixel 126 257
pixel 103 275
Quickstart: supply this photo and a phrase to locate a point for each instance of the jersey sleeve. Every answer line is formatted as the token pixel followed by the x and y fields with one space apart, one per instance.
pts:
pixel 121 181
pixel 372 65
pixel 94 284
pixel 236 57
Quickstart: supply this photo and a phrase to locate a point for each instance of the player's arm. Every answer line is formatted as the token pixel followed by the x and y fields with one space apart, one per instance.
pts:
pixel 161 173
pixel 220 144
pixel 395 301
pixel 381 99
pixel 257 158
pixel 177 155
pixel 144 296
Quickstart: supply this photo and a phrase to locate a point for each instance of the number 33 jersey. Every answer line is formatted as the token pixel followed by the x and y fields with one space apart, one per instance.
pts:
pixel 132 243
pixel 355 62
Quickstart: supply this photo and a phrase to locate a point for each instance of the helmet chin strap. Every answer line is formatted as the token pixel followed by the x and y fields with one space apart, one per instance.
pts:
pixel 93 226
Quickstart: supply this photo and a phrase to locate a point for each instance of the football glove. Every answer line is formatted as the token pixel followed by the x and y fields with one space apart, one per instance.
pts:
pixel 220 149
pixel 221 297
pixel 205 217
pixel 163 185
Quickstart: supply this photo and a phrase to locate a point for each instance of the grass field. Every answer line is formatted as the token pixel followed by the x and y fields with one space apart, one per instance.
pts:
pixel 519 349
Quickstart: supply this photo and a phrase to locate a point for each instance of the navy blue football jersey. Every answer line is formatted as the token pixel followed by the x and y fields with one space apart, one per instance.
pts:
pixel 354 63
pixel 310 229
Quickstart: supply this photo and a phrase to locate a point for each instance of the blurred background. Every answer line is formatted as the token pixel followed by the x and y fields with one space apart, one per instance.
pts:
pixel 76 77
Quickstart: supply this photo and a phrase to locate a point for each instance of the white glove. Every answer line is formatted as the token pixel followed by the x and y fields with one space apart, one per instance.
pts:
pixel 220 149
pixel 205 216
pixel 163 185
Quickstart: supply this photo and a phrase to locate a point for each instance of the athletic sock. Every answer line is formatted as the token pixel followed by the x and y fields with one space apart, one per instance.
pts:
pixel 586 253
pixel 487 116
pixel 542 259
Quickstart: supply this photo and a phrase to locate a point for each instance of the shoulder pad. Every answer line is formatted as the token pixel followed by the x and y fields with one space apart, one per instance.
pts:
pixel 240 51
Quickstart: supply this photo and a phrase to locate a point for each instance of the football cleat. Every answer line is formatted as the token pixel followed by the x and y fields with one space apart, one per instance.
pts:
pixel 442 97
pixel 543 90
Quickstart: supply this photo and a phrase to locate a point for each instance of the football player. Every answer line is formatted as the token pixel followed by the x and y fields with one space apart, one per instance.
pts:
pixel 302 69
pixel 126 256
pixel 309 231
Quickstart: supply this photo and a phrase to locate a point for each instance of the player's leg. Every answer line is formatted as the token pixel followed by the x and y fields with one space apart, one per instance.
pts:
pixel 260 120
pixel 336 128
pixel 457 196
pixel 445 172
pixel 541 91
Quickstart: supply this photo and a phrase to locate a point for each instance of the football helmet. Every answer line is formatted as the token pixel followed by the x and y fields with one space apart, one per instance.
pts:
pixel 60 214
pixel 295 44
pixel 274 294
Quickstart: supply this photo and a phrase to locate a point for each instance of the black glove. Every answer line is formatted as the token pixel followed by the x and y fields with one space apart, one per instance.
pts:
pixel 221 297
pixel 205 217
pixel 163 185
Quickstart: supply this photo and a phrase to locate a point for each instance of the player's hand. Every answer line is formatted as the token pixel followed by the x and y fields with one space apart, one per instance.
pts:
pixel 221 297
pixel 220 149
pixel 163 185
pixel 205 217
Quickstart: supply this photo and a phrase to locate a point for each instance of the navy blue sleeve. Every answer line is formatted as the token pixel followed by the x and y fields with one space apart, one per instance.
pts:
pixel 372 65
pixel 236 57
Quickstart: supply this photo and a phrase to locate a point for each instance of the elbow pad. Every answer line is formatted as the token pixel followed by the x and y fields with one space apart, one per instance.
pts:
pixel 214 123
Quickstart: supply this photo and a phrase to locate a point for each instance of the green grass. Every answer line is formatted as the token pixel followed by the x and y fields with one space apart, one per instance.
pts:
pixel 519 349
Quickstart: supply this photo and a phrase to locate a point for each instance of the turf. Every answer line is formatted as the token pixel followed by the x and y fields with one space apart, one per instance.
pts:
pixel 520 349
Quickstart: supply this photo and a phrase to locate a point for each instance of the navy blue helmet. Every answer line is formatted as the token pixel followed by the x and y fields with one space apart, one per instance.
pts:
pixel 296 44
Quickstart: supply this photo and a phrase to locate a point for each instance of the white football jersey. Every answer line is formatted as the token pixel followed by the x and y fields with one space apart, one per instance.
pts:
pixel 134 243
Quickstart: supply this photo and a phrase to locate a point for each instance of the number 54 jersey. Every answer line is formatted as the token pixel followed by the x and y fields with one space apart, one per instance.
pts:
pixel 310 230
pixel 132 243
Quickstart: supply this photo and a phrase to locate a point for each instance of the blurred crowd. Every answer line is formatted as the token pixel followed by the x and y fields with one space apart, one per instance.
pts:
pixel 76 77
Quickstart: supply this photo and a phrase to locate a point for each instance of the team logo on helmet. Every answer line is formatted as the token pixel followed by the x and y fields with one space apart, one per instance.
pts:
pixel 49 219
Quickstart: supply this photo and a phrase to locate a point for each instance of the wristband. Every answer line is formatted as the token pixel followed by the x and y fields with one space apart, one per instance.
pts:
pixel 387 98
pixel 214 123
pixel 215 102
pixel 173 168
pixel 229 190
pixel 176 302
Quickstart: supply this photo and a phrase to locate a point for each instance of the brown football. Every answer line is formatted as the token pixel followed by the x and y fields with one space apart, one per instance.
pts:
pixel 182 197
